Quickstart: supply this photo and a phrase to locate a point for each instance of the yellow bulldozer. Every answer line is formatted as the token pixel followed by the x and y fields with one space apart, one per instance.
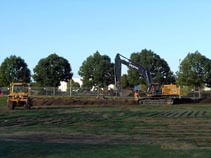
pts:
pixel 19 95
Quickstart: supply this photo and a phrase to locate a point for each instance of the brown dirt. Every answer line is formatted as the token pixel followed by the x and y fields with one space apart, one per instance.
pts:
pixel 102 101
pixel 59 101
pixel 73 139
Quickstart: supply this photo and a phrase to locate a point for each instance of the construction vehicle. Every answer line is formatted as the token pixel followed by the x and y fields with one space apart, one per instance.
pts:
pixel 19 95
pixel 155 93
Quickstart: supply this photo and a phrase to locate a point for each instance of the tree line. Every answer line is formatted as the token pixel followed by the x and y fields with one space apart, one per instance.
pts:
pixel 98 70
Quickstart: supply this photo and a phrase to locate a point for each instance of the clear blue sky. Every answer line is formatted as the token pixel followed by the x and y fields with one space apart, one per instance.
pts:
pixel 75 29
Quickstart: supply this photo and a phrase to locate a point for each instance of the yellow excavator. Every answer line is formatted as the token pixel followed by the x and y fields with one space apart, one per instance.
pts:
pixel 155 93
pixel 19 95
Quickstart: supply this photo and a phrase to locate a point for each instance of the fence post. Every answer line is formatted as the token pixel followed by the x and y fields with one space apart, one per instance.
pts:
pixel 70 87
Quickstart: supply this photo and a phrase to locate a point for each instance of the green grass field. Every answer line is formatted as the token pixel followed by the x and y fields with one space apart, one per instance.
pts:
pixel 106 131
pixel 55 150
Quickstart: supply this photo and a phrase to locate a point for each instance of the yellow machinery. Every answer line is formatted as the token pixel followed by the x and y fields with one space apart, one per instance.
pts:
pixel 165 90
pixel 19 95
pixel 171 90
pixel 155 93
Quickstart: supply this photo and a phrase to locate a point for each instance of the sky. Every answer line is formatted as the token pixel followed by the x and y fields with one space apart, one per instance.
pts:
pixel 76 29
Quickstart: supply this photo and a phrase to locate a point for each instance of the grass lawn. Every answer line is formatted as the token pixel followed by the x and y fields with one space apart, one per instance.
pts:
pixel 35 150
pixel 110 131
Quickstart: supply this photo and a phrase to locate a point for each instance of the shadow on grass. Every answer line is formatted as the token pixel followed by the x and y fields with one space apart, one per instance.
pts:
pixel 9 149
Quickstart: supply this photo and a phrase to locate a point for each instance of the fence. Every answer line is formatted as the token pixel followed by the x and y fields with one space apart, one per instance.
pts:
pixel 51 91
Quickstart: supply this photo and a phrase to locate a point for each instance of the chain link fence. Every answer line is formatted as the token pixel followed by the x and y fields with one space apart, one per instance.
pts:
pixel 51 91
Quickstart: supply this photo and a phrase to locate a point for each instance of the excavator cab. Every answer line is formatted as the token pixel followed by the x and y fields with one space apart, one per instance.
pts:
pixel 154 89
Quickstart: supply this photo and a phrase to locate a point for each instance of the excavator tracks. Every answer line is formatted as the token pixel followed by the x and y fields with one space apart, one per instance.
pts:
pixel 156 100
pixel 166 100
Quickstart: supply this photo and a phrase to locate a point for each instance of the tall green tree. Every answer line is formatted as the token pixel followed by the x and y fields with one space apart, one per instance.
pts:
pixel 124 81
pixel 14 69
pixel 158 67
pixel 51 70
pixel 97 70
pixel 195 70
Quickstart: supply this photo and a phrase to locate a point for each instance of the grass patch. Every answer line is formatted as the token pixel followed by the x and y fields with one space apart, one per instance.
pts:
pixel 3 100
pixel 124 131
pixel 109 120
pixel 54 150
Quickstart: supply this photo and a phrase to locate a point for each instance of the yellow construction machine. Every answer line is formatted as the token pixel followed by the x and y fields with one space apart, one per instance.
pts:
pixel 19 95
pixel 155 93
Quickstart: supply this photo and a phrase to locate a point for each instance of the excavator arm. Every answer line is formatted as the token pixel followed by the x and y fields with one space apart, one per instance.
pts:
pixel 119 60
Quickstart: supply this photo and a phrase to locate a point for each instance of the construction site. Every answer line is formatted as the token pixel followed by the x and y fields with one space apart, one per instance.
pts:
pixel 105 124
pixel 105 79
pixel 29 97
pixel 46 121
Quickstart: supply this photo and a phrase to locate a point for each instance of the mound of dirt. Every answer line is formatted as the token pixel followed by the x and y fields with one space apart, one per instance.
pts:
pixel 102 101
pixel 56 101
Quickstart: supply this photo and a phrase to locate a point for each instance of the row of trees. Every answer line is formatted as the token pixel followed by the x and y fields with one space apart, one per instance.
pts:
pixel 97 69
pixel 48 72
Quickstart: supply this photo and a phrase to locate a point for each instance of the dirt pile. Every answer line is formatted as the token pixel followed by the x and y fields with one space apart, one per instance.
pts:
pixel 55 101
pixel 102 101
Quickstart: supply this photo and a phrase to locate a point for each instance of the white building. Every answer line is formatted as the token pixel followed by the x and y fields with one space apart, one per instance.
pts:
pixel 63 85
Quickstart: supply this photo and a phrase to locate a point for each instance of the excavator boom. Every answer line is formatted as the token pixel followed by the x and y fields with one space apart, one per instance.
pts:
pixel 120 59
